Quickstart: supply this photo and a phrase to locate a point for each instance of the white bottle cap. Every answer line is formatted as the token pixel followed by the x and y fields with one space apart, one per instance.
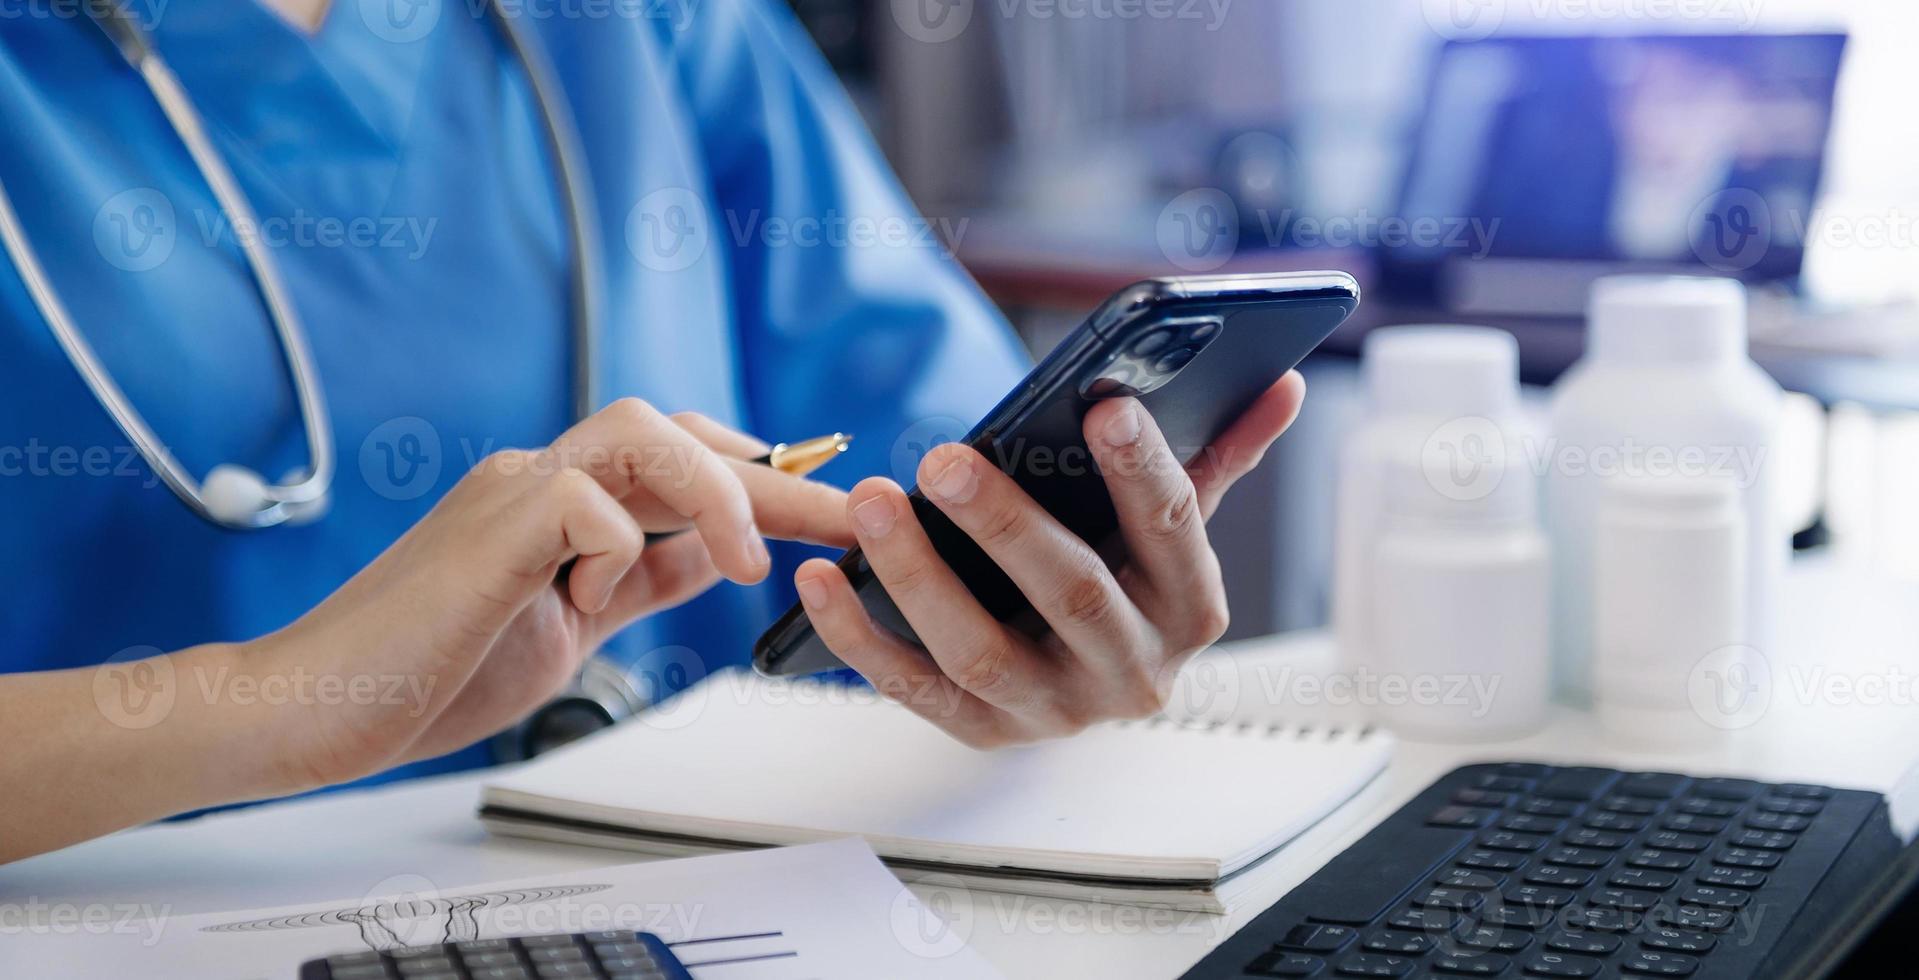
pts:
pixel 1666 319
pixel 1444 371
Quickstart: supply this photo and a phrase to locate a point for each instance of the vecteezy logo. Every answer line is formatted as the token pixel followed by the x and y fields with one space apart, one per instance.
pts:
pixel 135 688
pixel 400 459
pixel 1732 231
pixel 667 230
pixel 932 21
pixel 1205 689
pixel 400 21
pixel 668 679
pixel 919 439
pixel 1464 20
pixel 1731 687
pixel 1198 231
pixel 934 917
pixel 135 229
pixel 1465 459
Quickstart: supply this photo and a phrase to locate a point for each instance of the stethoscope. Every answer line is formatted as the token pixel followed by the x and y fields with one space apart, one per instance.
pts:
pixel 233 496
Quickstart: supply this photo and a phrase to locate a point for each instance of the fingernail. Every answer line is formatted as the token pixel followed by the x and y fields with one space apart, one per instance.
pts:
pixel 756 546
pixel 956 483
pixel 1123 428
pixel 875 516
pixel 812 593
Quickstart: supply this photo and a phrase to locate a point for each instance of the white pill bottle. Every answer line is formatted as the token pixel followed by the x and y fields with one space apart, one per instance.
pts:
pixel 1666 389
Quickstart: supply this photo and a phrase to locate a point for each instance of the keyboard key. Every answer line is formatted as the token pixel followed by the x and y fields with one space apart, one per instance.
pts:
pixel 1374 965
pixel 1673 840
pixel 1462 817
pixel 1765 840
pixel 1559 876
pixel 514 972
pixel 1576 784
pixel 1690 824
pixel 1802 791
pixel 1484 797
pixel 364 971
pixel 1623 898
pixel 506 957
pixel 1654 785
pixel 1677 940
pixel 1586 943
pixel 533 942
pixel 1539 895
pixel 1732 878
pixel 1464 899
pixel 1434 920
pixel 1526 917
pixel 1609 820
pixel 1699 806
pixel 1525 770
pixel 1484 860
pixel 1656 860
pixel 1561 965
pixel 1787 822
pixel 1786 804
pixel 1631 805
pixel 1693 918
pixel 1470 964
pixel 1602 919
pixel 1653 964
pixel 1506 840
pixel 1578 857
pixel 1736 790
pixel 1502 784
pixel 556 954
pixel 1283 964
pixel 1723 898
pixel 1462 878
pixel 1492 939
pixel 1544 807
pixel 1588 837
pixel 1657 881
pixel 1312 937
pixel 1746 857
pixel 1530 823
pixel 564 970
pixel 1400 942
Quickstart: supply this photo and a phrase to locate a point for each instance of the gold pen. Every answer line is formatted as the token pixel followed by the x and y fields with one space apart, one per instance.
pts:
pixel 805 456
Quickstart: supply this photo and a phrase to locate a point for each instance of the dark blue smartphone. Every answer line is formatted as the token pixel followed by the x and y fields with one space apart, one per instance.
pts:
pixel 1196 351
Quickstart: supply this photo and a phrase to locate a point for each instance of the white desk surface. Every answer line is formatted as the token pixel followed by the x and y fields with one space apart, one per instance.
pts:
pixel 1860 631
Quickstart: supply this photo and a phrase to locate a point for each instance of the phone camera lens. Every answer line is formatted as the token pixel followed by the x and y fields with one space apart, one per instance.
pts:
pixel 1203 334
pixel 1174 359
pixel 1152 343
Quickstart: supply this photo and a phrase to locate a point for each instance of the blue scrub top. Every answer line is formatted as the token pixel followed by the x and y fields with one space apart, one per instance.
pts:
pixel 761 266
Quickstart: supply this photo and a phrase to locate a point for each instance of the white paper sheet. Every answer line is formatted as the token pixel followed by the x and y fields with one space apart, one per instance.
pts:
pixel 819 912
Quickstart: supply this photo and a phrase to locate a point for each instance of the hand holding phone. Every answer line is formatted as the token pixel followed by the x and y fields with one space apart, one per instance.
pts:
pixel 1053 569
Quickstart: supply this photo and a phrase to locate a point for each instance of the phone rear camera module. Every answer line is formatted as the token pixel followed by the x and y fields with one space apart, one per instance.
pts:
pixel 1173 360
pixel 1152 343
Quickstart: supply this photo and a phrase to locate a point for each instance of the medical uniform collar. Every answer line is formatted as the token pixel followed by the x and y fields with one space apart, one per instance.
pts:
pixel 267 88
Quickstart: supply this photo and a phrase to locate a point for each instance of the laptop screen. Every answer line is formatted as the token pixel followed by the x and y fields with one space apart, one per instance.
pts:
pixel 1682 151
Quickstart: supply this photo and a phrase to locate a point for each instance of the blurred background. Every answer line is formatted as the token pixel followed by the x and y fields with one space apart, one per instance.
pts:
pixel 1475 161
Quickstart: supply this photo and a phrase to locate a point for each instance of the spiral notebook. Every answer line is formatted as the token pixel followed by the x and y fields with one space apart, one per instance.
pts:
pixel 1150 813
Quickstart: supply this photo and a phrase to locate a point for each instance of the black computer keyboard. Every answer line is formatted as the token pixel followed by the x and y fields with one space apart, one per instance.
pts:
pixel 1522 870
pixel 616 955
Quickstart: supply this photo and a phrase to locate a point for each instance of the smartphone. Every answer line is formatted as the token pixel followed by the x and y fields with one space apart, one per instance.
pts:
pixel 1196 351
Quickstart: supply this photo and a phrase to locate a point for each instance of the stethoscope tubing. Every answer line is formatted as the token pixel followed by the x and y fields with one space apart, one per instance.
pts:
pixel 307 493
